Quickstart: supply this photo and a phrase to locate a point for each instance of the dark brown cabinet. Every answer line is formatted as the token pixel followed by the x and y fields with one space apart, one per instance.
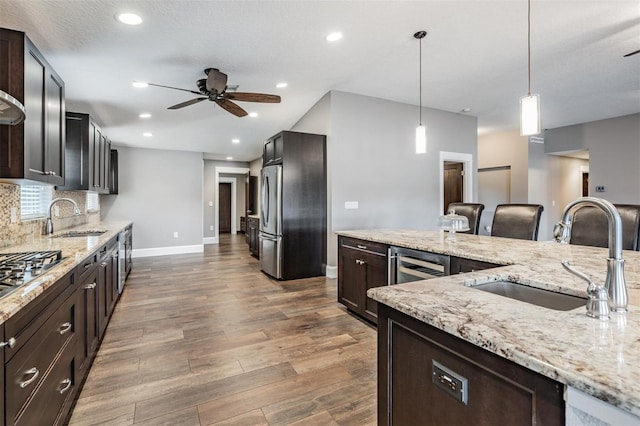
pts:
pixel 272 150
pixel 35 149
pixel 40 367
pixel 361 265
pixel 128 247
pixel 459 265
pixel 253 230
pixel 88 155
pixel 3 343
pixel 107 294
pixel 427 376
pixel 87 296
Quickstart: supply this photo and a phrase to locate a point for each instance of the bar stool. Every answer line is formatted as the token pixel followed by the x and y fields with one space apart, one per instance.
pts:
pixel 472 211
pixel 590 227
pixel 520 221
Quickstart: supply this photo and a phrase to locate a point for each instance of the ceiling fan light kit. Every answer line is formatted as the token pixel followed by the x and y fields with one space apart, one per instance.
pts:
pixel 530 104
pixel 214 88
pixel 421 131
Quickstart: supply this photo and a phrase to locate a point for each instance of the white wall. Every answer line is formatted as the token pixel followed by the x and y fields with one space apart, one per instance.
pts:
pixel 507 149
pixel 614 154
pixel 564 184
pixel 161 192
pixel 372 160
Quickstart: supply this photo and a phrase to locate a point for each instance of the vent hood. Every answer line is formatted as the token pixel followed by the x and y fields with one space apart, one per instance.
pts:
pixel 11 110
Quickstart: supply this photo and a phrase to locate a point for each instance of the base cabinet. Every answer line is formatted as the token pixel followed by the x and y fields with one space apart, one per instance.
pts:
pixel 361 265
pixel 418 369
pixel 253 231
pixel 460 265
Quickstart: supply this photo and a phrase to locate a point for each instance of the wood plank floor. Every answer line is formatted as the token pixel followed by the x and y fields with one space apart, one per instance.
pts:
pixel 207 339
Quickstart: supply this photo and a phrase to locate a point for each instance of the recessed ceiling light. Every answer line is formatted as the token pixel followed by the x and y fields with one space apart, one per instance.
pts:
pixel 147 134
pixel 229 158
pixel 139 84
pixel 334 36
pixel 281 85
pixel 129 18
pixel 253 114
pixel 235 140
pixel 145 115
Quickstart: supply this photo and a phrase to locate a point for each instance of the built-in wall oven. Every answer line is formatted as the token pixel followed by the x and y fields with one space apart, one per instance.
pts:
pixel 406 265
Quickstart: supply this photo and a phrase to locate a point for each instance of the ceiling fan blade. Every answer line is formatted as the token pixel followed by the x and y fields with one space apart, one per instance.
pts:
pixel 187 103
pixel 252 97
pixel 216 80
pixel 631 54
pixel 175 88
pixel 231 107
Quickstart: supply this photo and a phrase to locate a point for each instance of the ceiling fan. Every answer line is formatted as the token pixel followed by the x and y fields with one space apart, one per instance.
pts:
pixel 631 53
pixel 214 89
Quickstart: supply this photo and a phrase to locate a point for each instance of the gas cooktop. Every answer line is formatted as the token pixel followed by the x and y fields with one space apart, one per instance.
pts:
pixel 20 268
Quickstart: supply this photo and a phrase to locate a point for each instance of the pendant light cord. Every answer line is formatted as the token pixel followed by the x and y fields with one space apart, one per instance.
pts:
pixel 420 67
pixel 528 43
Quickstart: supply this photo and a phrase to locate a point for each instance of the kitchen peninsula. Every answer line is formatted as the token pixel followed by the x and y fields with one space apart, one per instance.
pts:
pixel 594 359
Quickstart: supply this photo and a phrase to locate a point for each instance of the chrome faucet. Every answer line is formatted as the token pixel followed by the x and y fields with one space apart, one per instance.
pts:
pixel 615 283
pixel 48 230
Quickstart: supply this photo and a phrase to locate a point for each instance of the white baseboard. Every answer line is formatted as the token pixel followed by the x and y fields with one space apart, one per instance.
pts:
pixel 210 240
pixel 332 272
pixel 165 251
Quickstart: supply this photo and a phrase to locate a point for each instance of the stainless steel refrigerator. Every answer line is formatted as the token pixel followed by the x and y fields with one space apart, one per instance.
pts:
pixel 293 207
pixel 271 221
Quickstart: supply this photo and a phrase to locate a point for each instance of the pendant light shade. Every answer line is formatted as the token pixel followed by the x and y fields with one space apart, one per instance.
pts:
pixel 421 131
pixel 421 140
pixel 530 115
pixel 530 104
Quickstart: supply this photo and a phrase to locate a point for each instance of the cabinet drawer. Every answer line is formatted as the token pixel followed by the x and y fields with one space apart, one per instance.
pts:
pixel 85 268
pixel 377 248
pixel 30 319
pixel 52 399
pixel 26 371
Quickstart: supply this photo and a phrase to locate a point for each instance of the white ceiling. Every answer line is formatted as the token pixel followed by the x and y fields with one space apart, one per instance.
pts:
pixel 473 57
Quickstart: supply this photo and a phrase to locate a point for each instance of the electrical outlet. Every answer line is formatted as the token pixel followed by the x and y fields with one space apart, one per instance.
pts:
pixel 56 211
pixel 14 215
pixel 601 188
pixel 211 228
pixel 210 203
pixel 175 234
pixel 350 205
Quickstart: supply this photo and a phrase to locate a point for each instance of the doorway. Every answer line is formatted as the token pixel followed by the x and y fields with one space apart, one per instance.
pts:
pixel 466 176
pixel 585 184
pixel 224 212
pixel 453 183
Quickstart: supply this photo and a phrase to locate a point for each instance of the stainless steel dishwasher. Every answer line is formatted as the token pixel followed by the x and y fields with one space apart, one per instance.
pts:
pixel 406 265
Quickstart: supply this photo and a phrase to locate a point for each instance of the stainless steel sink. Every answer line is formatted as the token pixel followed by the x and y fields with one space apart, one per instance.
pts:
pixel 72 234
pixel 535 296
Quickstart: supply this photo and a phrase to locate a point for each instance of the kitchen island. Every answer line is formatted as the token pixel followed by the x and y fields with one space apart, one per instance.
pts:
pixel 598 358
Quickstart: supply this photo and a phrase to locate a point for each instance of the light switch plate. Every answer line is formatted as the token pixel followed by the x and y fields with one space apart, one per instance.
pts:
pixel 350 205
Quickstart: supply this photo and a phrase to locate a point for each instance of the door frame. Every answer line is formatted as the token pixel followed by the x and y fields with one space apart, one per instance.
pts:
pixel 216 202
pixel 234 196
pixel 467 168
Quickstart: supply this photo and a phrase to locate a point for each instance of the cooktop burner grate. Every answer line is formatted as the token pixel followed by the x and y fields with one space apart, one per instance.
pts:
pixel 19 268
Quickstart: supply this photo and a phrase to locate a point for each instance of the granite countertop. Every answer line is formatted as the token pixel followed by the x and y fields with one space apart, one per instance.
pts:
pixel 74 251
pixel 600 358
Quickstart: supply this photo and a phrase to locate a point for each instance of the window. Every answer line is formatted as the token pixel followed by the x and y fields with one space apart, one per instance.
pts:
pixel 93 202
pixel 34 201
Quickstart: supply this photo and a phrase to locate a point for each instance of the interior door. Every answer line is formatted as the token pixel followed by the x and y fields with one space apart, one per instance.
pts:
pixel 453 183
pixel 224 203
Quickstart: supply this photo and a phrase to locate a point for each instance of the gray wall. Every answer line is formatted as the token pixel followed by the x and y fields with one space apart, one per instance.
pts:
pixel 372 160
pixel 614 154
pixel 507 149
pixel 240 194
pixel 161 192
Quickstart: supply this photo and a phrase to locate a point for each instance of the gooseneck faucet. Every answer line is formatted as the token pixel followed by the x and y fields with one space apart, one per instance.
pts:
pixel 48 230
pixel 615 283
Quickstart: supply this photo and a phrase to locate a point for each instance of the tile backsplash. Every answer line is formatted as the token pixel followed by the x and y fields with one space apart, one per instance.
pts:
pixel 17 232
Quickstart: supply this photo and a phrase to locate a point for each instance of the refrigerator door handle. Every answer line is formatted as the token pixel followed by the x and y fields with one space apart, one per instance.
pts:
pixel 267 237
pixel 265 200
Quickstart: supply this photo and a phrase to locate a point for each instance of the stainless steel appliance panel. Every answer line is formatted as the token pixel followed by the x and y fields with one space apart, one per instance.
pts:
pixel 271 255
pixel 414 265
pixel 271 200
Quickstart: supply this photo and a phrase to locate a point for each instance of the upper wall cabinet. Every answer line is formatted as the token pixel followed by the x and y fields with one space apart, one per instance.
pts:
pixel 88 155
pixel 33 150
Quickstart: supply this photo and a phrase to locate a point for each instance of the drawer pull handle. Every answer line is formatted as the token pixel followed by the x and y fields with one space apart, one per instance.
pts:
pixel 361 247
pixel 104 264
pixel 360 262
pixel 88 265
pixel 34 372
pixel 11 343
pixel 90 286
pixel 65 327
pixel 66 385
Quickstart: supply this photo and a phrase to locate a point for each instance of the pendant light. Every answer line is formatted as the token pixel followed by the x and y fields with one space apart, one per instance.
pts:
pixel 530 104
pixel 421 131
